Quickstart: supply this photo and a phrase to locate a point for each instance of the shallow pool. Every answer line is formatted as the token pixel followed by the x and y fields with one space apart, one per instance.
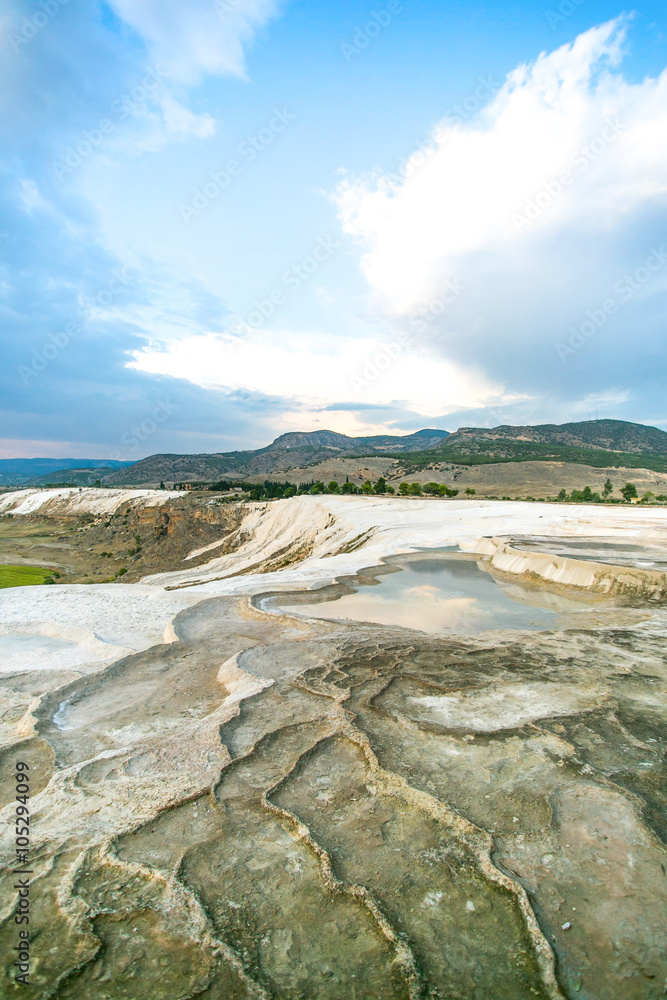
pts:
pixel 445 593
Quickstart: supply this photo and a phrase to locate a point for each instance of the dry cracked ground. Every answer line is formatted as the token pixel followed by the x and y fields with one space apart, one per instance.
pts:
pixel 275 807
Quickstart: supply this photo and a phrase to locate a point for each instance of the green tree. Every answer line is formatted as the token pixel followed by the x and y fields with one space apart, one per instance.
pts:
pixel 367 487
pixel 562 495
pixel 290 491
pixel 585 496
pixel 404 489
pixel 431 489
pixel 381 485
pixel 333 487
pixel 415 490
pixel 349 487
pixel 608 488
pixel 317 487
pixel 390 489
pixel 470 491
pixel 629 492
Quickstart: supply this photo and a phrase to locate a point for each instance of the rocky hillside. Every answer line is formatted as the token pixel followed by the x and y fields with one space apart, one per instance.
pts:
pixel 598 443
pixel 608 435
pixel 289 451
pixel 293 456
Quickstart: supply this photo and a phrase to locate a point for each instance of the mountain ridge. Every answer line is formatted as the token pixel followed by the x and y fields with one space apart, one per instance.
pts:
pixel 596 442
pixel 14 471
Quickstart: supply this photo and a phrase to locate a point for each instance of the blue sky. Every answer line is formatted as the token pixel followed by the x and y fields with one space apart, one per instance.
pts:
pixel 220 221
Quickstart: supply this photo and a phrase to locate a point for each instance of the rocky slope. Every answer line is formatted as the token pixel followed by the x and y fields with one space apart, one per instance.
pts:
pixel 95 536
pixel 289 451
pixel 608 435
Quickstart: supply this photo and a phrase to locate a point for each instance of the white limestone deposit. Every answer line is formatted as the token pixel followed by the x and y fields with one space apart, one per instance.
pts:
pixel 44 646
pixel 439 806
pixel 594 576
pixel 507 707
pixel 311 541
pixel 302 543
pixel 79 627
pixel 71 501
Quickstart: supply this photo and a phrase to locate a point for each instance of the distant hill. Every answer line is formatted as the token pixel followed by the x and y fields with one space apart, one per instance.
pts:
pixel 609 435
pixel 76 477
pixel 598 443
pixel 16 471
pixel 289 451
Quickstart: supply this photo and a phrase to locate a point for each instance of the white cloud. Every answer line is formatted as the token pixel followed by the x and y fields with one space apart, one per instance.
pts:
pixel 315 371
pixel 197 37
pixel 184 122
pixel 494 186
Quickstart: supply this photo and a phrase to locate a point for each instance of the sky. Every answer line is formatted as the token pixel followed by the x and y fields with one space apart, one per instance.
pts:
pixel 223 220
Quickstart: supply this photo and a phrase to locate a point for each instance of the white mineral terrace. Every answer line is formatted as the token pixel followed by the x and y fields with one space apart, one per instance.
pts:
pixel 75 500
pixel 302 543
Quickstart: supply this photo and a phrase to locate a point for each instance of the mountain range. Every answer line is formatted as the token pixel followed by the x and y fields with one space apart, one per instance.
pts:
pixel 616 443
pixel 14 471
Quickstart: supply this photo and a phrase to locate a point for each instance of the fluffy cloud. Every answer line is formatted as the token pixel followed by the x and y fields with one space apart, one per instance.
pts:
pixel 314 373
pixel 201 36
pixel 566 146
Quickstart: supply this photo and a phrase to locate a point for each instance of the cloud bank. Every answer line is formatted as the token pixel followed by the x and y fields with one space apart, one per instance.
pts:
pixel 566 147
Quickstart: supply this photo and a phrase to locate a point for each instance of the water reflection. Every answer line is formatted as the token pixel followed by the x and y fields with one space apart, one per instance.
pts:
pixel 443 593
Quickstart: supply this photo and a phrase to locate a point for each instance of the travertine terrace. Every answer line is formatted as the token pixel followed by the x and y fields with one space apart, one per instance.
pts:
pixel 231 802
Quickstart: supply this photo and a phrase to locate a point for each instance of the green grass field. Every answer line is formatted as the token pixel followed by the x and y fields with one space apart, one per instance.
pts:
pixel 23 576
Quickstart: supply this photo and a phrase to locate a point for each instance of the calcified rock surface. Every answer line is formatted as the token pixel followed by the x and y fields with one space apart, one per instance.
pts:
pixel 265 806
